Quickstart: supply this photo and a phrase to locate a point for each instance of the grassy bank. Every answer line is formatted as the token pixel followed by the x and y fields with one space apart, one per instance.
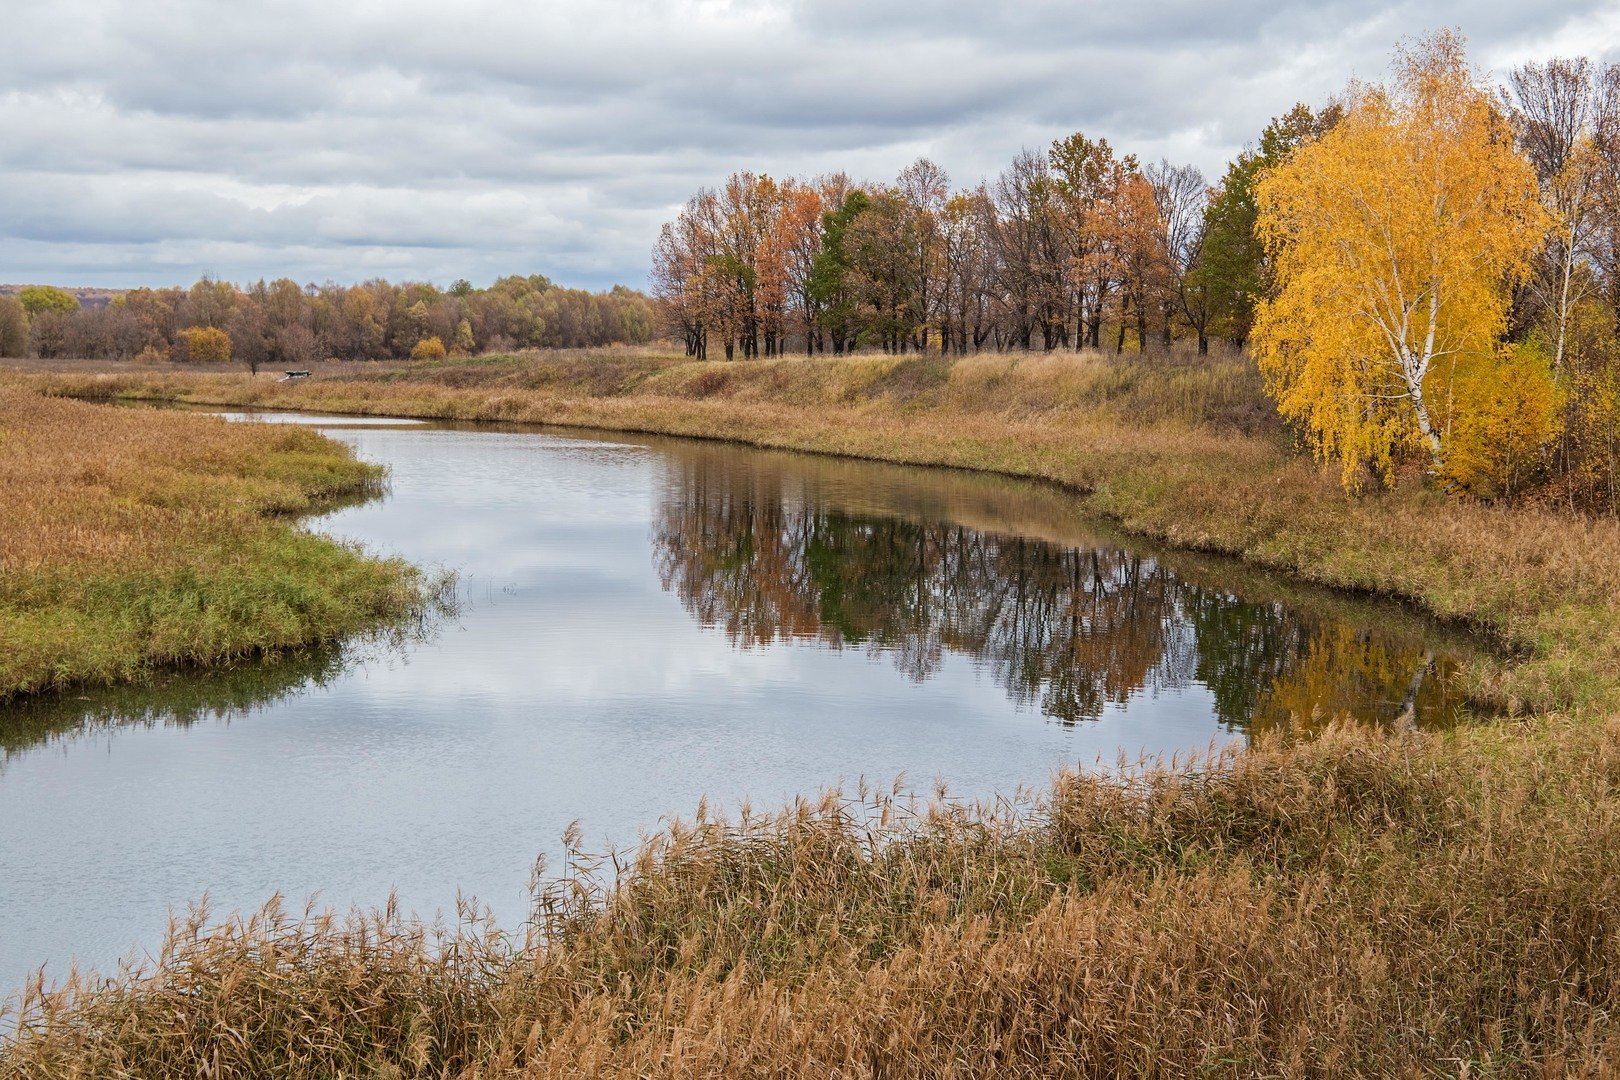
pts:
pixel 133 539
pixel 1184 451
pixel 1364 903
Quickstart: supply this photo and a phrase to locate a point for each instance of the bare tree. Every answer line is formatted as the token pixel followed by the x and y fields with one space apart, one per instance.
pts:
pixel 1563 111
pixel 1181 194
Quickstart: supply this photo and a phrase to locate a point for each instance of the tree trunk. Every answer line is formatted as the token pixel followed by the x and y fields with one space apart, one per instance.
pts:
pixel 1414 393
pixel 1407 720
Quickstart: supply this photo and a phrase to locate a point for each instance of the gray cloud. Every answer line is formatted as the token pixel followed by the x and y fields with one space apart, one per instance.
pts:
pixel 147 144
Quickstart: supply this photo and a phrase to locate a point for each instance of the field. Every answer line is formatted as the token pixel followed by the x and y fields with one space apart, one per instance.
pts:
pixel 134 539
pixel 1362 903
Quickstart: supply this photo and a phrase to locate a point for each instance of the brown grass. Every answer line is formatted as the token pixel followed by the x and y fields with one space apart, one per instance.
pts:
pixel 136 538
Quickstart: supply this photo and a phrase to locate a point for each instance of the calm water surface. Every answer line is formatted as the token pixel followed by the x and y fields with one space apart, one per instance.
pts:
pixel 642 622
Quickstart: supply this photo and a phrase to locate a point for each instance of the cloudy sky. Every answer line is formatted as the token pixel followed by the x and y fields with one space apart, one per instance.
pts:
pixel 345 139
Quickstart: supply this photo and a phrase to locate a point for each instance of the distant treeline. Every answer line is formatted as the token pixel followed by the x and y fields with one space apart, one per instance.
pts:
pixel 284 323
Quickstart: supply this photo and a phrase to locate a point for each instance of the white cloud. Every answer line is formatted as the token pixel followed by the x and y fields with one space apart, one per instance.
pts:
pixel 147 144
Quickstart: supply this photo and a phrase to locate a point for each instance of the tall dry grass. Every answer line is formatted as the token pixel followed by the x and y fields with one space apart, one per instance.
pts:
pixel 133 538
pixel 1360 905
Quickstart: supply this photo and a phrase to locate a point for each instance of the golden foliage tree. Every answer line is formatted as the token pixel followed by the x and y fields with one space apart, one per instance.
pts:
pixel 429 348
pixel 1510 412
pixel 206 345
pixel 1395 238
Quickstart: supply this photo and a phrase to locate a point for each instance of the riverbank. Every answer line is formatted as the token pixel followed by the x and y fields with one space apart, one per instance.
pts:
pixel 1185 451
pixel 1362 903
pixel 139 539
pixel 1356 905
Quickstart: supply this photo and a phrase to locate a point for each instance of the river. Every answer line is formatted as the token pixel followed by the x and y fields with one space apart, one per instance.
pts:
pixel 640 623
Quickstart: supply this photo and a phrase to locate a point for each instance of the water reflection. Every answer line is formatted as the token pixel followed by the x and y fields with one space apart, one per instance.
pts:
pixel 172 699
pixel 1068 628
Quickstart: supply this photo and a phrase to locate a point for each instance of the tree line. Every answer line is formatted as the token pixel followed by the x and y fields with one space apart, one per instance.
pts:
pixel 1428 272
pixel 282 323
pixel 1076 247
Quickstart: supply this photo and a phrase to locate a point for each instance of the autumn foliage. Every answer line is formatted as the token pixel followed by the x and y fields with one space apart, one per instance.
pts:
pixel 429 348
pixel 1053 250
pixel 1396 238
pixel 205 345
pixel 1424 271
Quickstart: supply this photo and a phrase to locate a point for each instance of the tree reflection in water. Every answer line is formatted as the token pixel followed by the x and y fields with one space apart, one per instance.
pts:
pixel 1069 629
pixel 170 699
pixel 184 697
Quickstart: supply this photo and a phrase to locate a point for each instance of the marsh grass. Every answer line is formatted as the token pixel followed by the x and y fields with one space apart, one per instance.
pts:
pixel 134 539
pixel 1360 904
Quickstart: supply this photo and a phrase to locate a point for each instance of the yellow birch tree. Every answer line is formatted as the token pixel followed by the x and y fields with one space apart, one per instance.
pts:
pixel 1395 239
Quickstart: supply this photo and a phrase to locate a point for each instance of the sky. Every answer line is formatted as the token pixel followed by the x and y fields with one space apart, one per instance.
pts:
pixel 341 140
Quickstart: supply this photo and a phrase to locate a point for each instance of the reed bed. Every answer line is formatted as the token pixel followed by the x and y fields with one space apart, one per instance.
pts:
pixel 134 538
pixel 1360 904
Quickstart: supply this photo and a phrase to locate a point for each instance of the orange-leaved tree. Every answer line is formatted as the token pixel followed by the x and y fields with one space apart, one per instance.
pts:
pixel 1395 239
